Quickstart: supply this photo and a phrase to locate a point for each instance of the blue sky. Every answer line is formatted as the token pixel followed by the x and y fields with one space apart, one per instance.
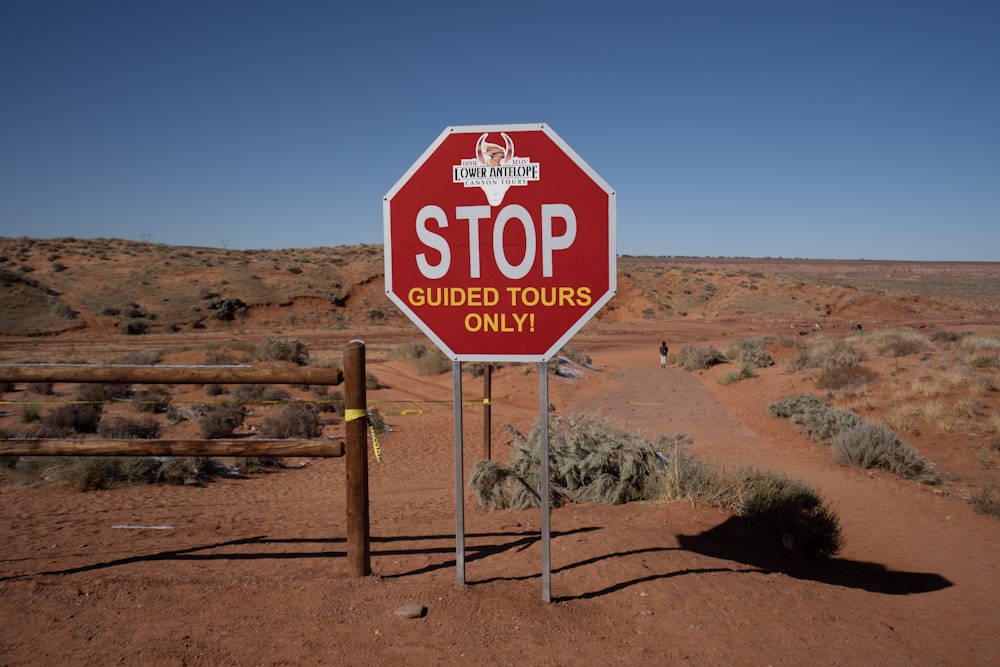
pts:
pixel 813 129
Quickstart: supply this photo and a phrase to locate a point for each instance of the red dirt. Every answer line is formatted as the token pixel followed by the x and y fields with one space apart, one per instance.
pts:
pixel 253 571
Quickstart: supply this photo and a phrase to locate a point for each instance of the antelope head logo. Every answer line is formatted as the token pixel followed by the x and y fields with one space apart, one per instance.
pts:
pixel 494 155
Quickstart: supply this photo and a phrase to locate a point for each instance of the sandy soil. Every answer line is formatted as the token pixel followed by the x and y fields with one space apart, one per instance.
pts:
pixel 254 571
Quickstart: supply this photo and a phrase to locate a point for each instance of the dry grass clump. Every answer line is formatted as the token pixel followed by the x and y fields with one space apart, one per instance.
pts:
pixel 745 373
pixel 827 353
pixel 299 420
pixel 70 419
pixel 154 399
pixel 94 473
pixel 899 342
pixel 987 500
pixel 282 349
pixel 875 446
pixel 259 393
pixel 591 460
pixel 750 352
pixel 220 420
pixel 845 378
pixel 980 342
pixel 428 360
pixel 692 357
pixel 124 428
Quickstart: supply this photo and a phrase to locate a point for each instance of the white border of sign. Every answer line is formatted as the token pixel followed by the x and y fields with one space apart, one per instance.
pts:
pixel 612 242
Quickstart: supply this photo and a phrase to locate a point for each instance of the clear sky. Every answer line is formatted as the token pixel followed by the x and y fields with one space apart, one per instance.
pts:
pixel 801 128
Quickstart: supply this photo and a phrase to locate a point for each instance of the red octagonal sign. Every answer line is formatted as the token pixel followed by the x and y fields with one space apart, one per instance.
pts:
pixel 500 243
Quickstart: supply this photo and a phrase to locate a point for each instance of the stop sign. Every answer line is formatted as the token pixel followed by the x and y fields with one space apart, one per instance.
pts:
pixel 500 243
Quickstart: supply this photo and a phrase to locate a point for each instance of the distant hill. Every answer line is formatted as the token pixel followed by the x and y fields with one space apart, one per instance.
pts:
pixel 114 286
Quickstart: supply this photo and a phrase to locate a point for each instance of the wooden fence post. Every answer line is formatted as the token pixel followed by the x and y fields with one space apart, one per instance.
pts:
pixel 356 451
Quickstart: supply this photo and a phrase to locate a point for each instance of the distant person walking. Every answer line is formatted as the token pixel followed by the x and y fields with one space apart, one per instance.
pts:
pixel 663 354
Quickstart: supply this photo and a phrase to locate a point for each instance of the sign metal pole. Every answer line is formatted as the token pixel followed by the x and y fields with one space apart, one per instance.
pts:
pixel 456 370
pixel 543 455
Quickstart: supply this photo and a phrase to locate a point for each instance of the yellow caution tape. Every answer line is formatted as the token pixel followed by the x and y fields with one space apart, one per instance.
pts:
pixel 375 447
pixel 354 413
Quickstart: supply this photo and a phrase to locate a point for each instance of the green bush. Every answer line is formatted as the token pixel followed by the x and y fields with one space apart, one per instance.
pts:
pixel 875 446
pixel 692 357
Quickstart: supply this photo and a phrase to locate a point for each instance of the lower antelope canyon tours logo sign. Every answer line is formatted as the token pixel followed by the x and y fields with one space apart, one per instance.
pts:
pixel 495 169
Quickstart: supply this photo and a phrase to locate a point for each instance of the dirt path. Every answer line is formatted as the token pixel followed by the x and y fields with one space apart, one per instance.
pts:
pixel 253 571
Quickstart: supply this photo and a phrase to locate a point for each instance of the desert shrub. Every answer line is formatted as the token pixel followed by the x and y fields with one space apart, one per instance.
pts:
pixel 7 387
pixel 825 353
pixel 985 361
pixel 477 369
pixel 692 357
pixel 153 399
pixel 899 343
pixel 987 500
pixel 327 400
pixel 99 392
pixel 133 327
pixel 259 393
pixel 123 428
pixel 371 382
pixel 980 342
pixel 220 359
pixel 93 473
pixel 844 377
pixel 68 419
pixel 433 362
pixel 875 446
pixel 408 351
pixel 788 512
pixel 143 358
pixel 215 389
pixel 817 419
pixel 31 413
pixel 428 360
pixel 593 460
pixel 40 388
pixel 590 460
pixel 219 421
pixel 750 351
pixel 282 349
pixel 188 470
pixel 945 336
pixel 225 309
pixel 745 373
pixel 299 420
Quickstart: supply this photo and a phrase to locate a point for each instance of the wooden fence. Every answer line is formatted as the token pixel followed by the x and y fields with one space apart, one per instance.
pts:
pixel 354 444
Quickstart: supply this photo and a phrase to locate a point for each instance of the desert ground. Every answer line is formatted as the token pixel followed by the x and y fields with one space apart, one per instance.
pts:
pixel 252 570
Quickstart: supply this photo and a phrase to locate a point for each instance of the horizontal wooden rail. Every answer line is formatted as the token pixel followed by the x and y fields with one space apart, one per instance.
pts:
pixel 256 374
pixel 236 448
